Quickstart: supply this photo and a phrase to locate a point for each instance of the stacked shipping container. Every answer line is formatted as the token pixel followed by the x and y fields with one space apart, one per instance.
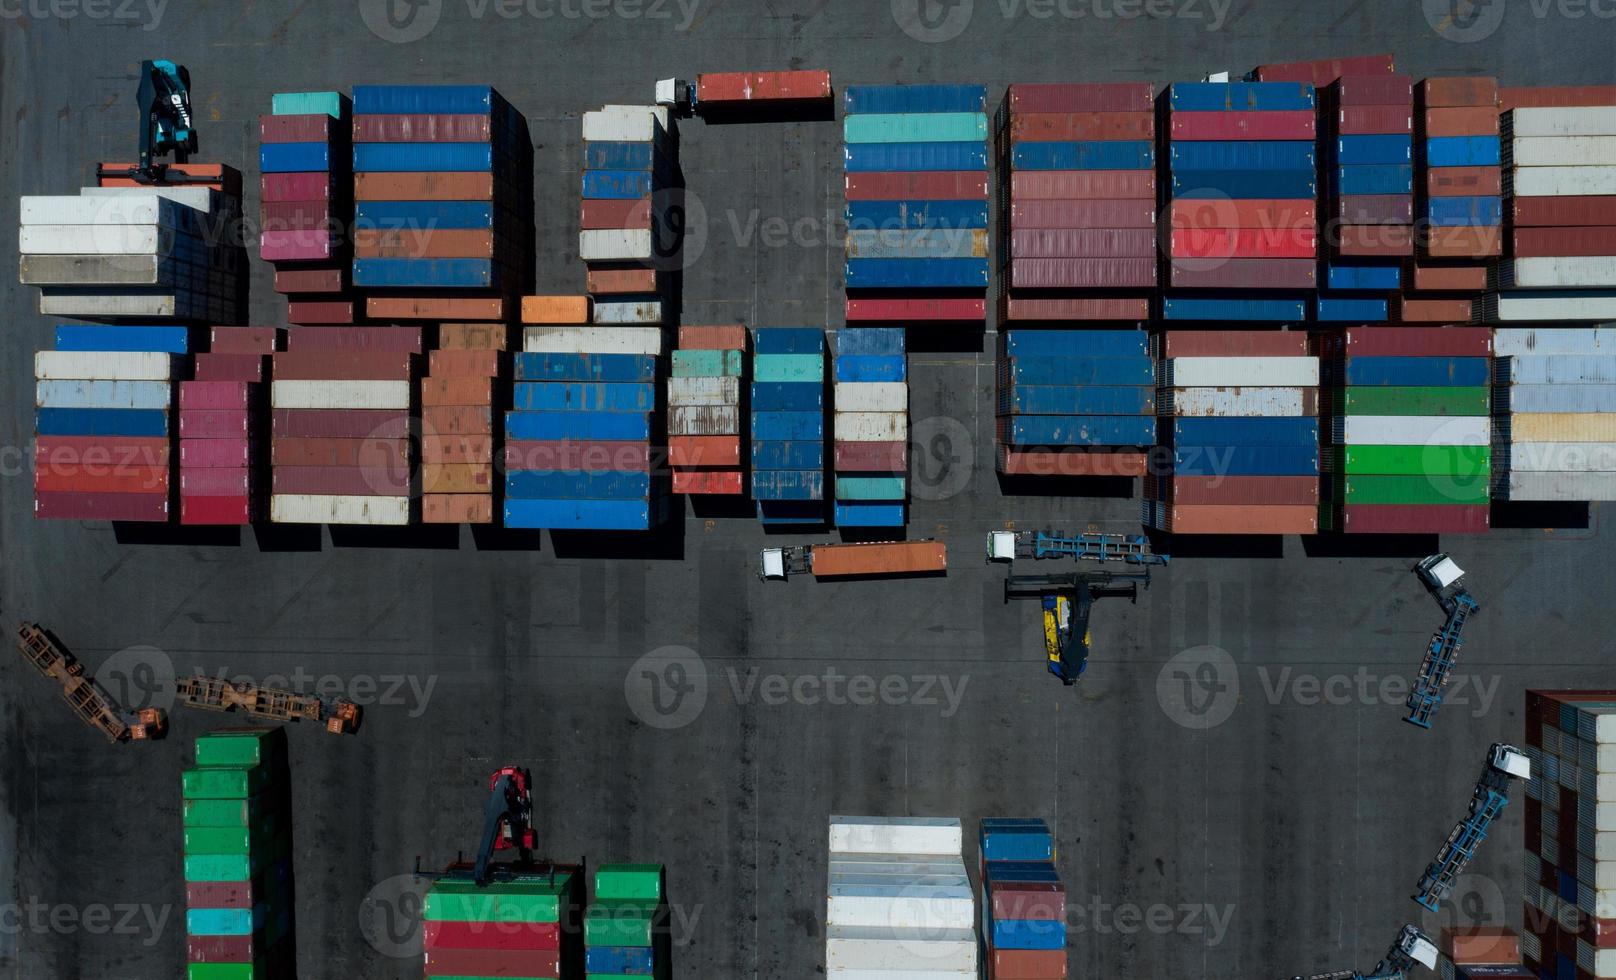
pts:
pixel 630 183
pixel 917 202
pixel 1370 189
pixel 1077 205
pixel 1023 902
pixel 1554 425
pixel 1243 199
pixel 1481 953
pixel 307 204
pixel 872 427
pixel 788 424
pixel 1075 402
pixel 1458 198
pixel 1244 434
pixel 238 857
pixel 1409 434
pixel 626 928
pixel 524 923
pixel 705 409
pixel 899 900
pixel 103 401
pixel 458 435
pixel 1569 916
pixel 230 377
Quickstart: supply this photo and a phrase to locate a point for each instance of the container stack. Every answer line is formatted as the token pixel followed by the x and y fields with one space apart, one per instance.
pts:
pixel 1077 216
pixel 342 400
pixel 1560 176
pixel 899 901
pixel 104 399
pixel 630 182
pixel 1243 200
pixel 579 435
pixel 523 923
pixel 788 425
pixel 1244 435
pixel 917 203
pixel 1408 435
pixel 306 208
pixel 230 376
pixel 1481 953
pixel 1571 740
pixel 1458 198
pixel 626 928
pixel 136 253
pixel 442 202
pixel 1075 402
pixel 710 375
pixel 1023 902
pixel 1369 166
pixel 458 423
pixel 1554 423
pixel 238 857
pixel 871 453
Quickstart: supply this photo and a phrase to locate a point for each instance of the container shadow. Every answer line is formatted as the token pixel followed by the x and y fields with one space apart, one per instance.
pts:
pixel 665 543
pixel 945 338
pixel 423 537
pixel 1111 487
pixel 1558 515
pixel 873 535
pixel 177 535
pixel 1411 546
pixel 289 537
pixel 495 537
pixel 900 577
pixel 818 110
pixel 722 507
pixel 1270 546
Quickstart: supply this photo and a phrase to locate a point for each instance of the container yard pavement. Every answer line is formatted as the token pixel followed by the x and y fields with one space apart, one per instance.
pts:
pixel 1232 786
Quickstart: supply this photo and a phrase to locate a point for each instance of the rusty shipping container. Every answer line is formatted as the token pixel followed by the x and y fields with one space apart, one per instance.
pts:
pixel 1365 120
pixel 1077 185
pixel 1236 519
pixel 1418 342
pixel 435 308
pixel 893 558
pixel 370 453
pixel 1081 97
pixel 1563 211
pixel 398 340
pixel 1234 343
pixel 718 88
pixel 1031 127
pixel 423 187
pixel 1470 121
pixel 1457 278
pixel 728 337
pixel 1327 70
pixel 1551 97
pixel 1025 310
pixel 1356 90
pixel 1445 93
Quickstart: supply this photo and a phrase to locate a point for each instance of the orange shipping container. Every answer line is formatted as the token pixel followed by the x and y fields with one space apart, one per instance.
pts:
pixel 1464 243
pixel 424 187
pixel 1450 278
pixel 464 364
pixel 457 420
pixel 1464 181
pixel 555 309
pixel 473 336
pixel 1441 93
pixel 1072 463
pixel 1228 519
pixel 704 451
pixel 102 479
pixel 1432 311
pixel 457 390
pixel 1481 945
pixel 887 558
pixel 440 450
pixel 1467 121
pixel 457 478
pixel 435 308
pixel 613 282
pixel 1362 240
pixel 423 243
pixel 457 508
pixel 713 338
pixel 708 482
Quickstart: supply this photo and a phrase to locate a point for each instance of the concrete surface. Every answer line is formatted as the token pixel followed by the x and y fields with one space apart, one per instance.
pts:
pixel 1283 839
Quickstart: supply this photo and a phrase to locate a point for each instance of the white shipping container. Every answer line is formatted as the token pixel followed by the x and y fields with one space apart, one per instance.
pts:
pixel 55 365
pixel 1560 457
pixel 592 340
pixel 872 427
pixel 1558 427
pixel 1561 151
pixel 704 391
pixel 929 974
pixel 626 124
pixel 1561 121
pixel 877 396
pixel 1241 402
pixel 307 508
pixel 928 907
pixel 1229 372
pixel 105 270
pixel 133 209
pixel 885 948
pixel 954 879
pixel 1590 181
pixel 628 313
pixel 1558 272
pixel 704 420
pixel 1575 369
pixel 1547 307
pixel 204 199
pixel 892 864
pixel 1591 399
pixel 147 395
pixel 615 245
pixel 1510 341
pixel 159 304
pixel 1523 485
pixel 94 239
pixel 1414 430
pixel 340 394
pixel 896 835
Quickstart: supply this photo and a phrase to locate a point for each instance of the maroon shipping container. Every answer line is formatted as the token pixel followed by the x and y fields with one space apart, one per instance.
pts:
pixel 1234 343
pixel 1028 901
pixel 1285 125
pixel 1415 519
pixel 578 456
pixel 244 340
pixel 341 423
pixel 1538 212
pixel 1368 120
pixel 222 424
pixel 320 313
pixel 224 894
pixel 1355 90
pixel 1241 491
pixel 1408 309
pixel 343 481
pixel 491 935
pixel 346 365
pixel 1244 273
pixel 393 340
pixel 201 454
pixel 1464 278
pixel 936 186
pixel 1082 214
pixel 305 281
pixel 288 245
pixel 1419 342
pixel 230 367
pixel 1082 97
pixel 374 452
pixel 765 86
pixel 1048 127
pixel 1464 181
pixel 872 457
pixel 1377 209
pixel 917 310
pixel 1323 72
pixel 1072 462
pixel 300 187
pixel 1078 273
pixel 1024 310
pixel 422 129
pixel 297 216
pixel 1083 243
pixel 214 482
pixel 1550 97
pixel 1391 241
pixel 203 395
pixel 1538 242
pixel 608 215
pixel 1081 185
pixel 222 949
pixel 1444 93
pixel 492 963
pixel 314 128
pixel 144 508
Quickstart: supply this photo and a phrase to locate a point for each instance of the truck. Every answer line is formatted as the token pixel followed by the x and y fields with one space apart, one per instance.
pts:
pixel 928 557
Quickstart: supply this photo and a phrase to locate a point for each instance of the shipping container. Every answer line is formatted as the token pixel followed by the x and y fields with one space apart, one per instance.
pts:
pixel 859 99
pixel 329 509
pixel 1219 371
pixel 373 395
pixel 718 88
pixel 592 340
pixel 1293 125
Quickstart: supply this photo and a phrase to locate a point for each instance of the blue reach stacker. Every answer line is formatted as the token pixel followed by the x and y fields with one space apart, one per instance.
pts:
pixel 1040 545
pixel 1445 581
pixel 1504 763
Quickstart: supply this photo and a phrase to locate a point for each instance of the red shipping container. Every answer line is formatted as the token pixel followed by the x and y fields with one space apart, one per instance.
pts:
pixel 213 483
pixel 1242 214
pixel 718 88
pixel 578 456
pixel 457 420
pixel 1450 278
pixel 1257 243
pixel 1234 343
pixel 872 457
pixel 1409 310
pixel 598 215
pixel 293 281
pixel 1081 97
pixel 464 363
pixel 1245 273
pixel 1376 209
pixel 1464 181
pixel 230 367
pixel 1550 97
pixel 422 128
pixel 1356 90
pixel 1032 310
pixel 198 454
pixel 1083 243
pixel 1073 462
pixel 713 338
pixel 619 282
pixel 1246 491
pixel 1326 71
pixel 1464 243
pixel 1416 519
pixel 346 365
pixel 295 246
pixel 1473 121
pixel 491 935
pixel 345 481
pixel 1368 120
pixel 1028 901
pixel 1028 964
pixel 917 309
pixel 456 450
pixel 1537 242
pixel 244 340
pixel 374 452
pixel 695 452
pixel 102 479
pixel 492 963
pixel 1419 342
pixel 145 508
pixel 1283 125
pixel 1444 93
pixel 1394 241
pixel 1082 214
pixel 398 340
pixel 203 395
pixel 221 424
pixel 298 216
pixel 1046 127
pixel 1124 273
pixel 314 128
pixel 433 186
pixel 320 314
pixel 1081 185
pixel 933 186
pixel 709 483
pixel 457 391
pixel 220 949
pixel 1563 211
pixel 223 894
pixel 341 423
pixel 442 309
pixel 300 188
pixel 1238 519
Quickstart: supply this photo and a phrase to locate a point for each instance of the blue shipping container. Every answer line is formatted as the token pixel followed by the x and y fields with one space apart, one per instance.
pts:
pixel 425 273
pixel 460 100
pixel 424 215
pixel 1065 371
pixel 376 158
pixel 1081 400
pixel 1082 430
pixel 1267 310
pixel 1418 372
pixel 788 340
pixel 92 337
pixel 868 99
pixel 576 485
pixel 1029 934
pixel 1463 151
pixel 101 422
pixel 1352 151
pixel 914 157
pixel 1246 461
pixel 788 485
pixel 587 426
pixel 870 340
pixel 1191 155
pixel 1241 96
pixel 584 397
pixel 1244 185
pixel 788 456
pixel 917 273
pixel 616 185
pixel 293 158
pixel 787 426
pixel 872 367
pixel 1376 278
pixel 880 215
pixel 1335 309
pixel 1014 843
pixel 869 515
pixel 1077 343
pixel 153 395
pixel 586 367
pixel 1387 179
pixel 1085 155
pixel 225 922
pixel 621 156
pixel 1246 432
pixel 1477 212
pixel 619 960
pixel 586 515
pixel 787 396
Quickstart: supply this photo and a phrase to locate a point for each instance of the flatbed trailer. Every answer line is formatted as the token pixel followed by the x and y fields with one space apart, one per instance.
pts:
pixel 851 560
pixel 339 716
pixel 94 706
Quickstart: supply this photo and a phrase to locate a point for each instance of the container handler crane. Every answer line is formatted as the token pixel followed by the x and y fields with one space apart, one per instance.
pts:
pixel 1011 545
pixel 1445 581
pixel 94 706
pixel 167 126
pixel 1504 763
pixel 507 825
pixel 1067 602
pixel 1412 948
pixel 339 715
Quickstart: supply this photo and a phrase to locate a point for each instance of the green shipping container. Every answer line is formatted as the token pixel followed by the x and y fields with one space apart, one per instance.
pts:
pixel 455 900
pixel 618 923
pixel 871 487
pixel 223 813
pixel 308 104
pixel 219 867
pixel 228 971
pixel 916 127
pixel 708 363
pixel 789 367
pixel 1457 462
pixel 241 747
pixel 207 783
pixel 1430 489
pixel 219 840
pixel 629 882
pixel 1468 402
